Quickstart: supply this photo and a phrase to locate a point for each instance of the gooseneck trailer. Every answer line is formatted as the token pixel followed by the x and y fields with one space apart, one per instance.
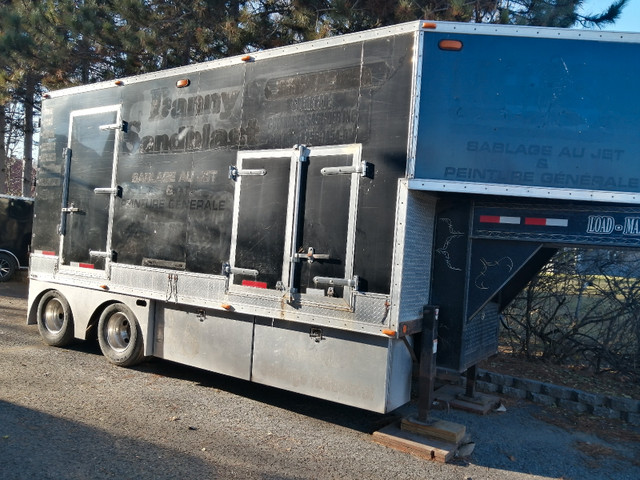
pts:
pixel 284 217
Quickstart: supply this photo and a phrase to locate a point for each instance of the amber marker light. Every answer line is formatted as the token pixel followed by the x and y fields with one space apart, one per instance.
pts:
pixel 119 83
pixel 431 25
pixel 246 58
pixel 185 82
pixel 104 287
pixel 226 306
pixel 391 333
pixel 452 45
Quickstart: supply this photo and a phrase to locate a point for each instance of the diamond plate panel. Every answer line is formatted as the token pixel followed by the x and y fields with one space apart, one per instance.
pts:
pixel 43 265
pixel 192 288
pixel 480 336
pixel 412 276
pixel 372 309
pixel 370 313
pixel 141 281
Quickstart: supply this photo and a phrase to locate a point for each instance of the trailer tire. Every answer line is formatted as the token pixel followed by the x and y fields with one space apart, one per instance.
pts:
pixel 7 267
pixel 119 336
pixel 55 319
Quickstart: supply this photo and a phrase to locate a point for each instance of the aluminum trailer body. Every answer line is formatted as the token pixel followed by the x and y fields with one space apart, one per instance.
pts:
pixel 285 216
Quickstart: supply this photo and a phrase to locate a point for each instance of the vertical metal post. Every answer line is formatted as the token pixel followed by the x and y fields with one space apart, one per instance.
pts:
pixel 300 154
pixel 427 374
pixel 472 373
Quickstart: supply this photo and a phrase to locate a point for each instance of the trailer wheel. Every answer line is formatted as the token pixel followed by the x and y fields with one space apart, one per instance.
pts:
pixel 7 267
pixel 55 320
pixel 120 336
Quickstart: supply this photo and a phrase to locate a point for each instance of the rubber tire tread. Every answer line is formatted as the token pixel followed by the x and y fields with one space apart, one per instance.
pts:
pixel 12 267
pixel 134 352
pixel 64 336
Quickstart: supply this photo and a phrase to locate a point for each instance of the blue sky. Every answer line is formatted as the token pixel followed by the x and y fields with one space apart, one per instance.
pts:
pixel 629 20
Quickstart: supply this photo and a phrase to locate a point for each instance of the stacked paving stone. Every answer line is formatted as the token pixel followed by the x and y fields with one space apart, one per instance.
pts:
pixel 577 401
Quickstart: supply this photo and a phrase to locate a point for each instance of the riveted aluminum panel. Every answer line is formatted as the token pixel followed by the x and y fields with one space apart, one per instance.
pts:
pixel 215 341
pixel 335 365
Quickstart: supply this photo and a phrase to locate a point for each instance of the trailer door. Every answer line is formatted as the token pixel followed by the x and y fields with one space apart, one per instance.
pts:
pixel 89 188
pixel 294 222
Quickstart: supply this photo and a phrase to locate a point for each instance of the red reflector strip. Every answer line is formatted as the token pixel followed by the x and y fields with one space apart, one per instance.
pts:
pixel 252 283
pixel 82 265
pixel 547 222
pixel 498 219
pixel 45 252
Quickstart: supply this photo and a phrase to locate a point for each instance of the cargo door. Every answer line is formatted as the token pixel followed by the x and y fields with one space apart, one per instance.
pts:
pixel 323 246
pixel 294 222
pixel 261 211
pixel 89 188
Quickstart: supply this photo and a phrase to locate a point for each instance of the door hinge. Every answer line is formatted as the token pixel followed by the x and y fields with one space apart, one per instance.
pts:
pixel 71 209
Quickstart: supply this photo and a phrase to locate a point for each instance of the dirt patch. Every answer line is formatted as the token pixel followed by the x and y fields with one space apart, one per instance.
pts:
pixel 597 453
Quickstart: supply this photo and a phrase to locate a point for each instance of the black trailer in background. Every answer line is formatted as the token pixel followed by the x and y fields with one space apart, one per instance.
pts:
pixel 16 219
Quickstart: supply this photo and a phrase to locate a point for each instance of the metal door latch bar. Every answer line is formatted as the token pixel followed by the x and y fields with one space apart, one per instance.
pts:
pixel 124 126
pixel 228 269
pixel 347 169
pixel 117 191
pixel 235 172
pixel 337 282
pixel 100 254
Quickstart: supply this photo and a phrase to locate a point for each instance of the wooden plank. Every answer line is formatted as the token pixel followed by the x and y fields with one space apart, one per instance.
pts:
pixel 439 429
pixel 393 436
pixel 453 396
pixel 482 405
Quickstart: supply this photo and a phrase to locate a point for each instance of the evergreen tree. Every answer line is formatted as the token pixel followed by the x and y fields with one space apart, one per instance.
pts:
pixel 49 44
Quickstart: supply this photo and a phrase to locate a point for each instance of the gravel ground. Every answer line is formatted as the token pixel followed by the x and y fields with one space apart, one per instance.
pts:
pixel 69 414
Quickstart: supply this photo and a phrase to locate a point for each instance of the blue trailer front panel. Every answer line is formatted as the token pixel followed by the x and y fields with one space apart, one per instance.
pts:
pixel 547 116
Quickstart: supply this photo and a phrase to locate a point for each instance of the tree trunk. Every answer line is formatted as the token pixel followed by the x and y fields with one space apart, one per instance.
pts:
pixel 4 167
pixel 27 164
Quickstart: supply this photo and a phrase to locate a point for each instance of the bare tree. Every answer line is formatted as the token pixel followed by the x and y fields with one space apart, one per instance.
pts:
pixel 582 309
